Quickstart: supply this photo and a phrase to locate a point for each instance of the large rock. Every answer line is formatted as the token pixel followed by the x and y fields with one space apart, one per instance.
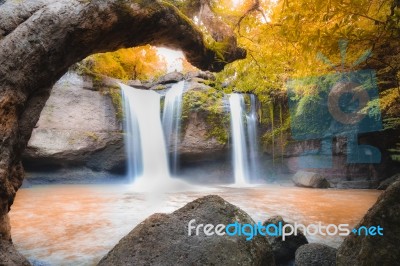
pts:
pixel 172 77
pixel 205 75
pixel 77 128
pixel 376 250
pixel 316 255
pixel 284 251
pixel 9 256
pixel 163 239
pixel 310 179
pixel 387 182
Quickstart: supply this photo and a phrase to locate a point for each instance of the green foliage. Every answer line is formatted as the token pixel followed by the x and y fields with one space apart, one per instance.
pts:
pixel 208 103
pixel 395 153
pixel 116 97
pixel 141 63
pixel 285 39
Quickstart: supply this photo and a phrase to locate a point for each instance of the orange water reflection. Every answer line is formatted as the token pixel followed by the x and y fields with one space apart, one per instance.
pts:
pixel 78 224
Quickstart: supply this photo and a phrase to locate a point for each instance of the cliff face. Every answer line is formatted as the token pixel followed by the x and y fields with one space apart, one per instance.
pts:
pixel 77 136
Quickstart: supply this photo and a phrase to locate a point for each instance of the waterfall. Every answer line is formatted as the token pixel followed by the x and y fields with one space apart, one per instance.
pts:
pixel 240 159
pixel 252 137
pixel 171 120
pixel 146 149
pixel 132 138
pixel 245 139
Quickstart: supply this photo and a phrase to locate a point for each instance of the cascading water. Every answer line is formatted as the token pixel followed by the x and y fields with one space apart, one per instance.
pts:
pixel 132 138
pixel 240 159
pixel 252 137
pixel 245 139
pixel 146 149
pixel 171 120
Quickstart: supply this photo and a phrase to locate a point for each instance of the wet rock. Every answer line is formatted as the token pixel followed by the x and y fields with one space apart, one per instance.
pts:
pixel 134 83
pixel 377 249
pixel 316 255
pixel 162 239
pixel 387 182
pixel 10 256
pixel 205 75
pixel 172 77
pixel 284 251
pixel 310 179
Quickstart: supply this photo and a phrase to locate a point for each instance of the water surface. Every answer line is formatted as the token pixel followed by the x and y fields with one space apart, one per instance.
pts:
pixel 79 224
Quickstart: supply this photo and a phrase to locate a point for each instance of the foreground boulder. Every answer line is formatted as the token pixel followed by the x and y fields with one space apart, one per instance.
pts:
pixel 316 255
pixel 284 251
pixel 387 182
pixel 10 256
pixel 162 239
pixel 376 250
pixel 310 179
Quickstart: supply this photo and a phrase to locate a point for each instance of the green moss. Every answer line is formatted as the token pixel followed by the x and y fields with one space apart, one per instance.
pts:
pixel 92 135
pixel 209 104
pixel 159 87
pixel 218 127
pixel 116 97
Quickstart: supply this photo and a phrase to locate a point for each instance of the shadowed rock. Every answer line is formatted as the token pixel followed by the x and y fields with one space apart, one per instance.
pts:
pixel 309 179
pixel 10 256
pixel 284 251
pixel 376 250
pixel 316 255
pixel 386 183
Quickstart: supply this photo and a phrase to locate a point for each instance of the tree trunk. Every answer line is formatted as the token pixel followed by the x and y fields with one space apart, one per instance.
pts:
pixel 41 39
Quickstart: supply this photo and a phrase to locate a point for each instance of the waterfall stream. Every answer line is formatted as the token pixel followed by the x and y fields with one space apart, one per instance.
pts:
pixel 245 156
pixel 146 149
pixel 171 121
pixel 240 155
pixel 150 138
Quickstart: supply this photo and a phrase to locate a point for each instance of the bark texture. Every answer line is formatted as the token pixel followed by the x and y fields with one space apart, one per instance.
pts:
pixel 41 39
